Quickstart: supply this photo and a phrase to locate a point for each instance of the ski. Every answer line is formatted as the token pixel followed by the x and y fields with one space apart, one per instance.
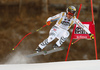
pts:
pixel 46 52
pixel 54 50
pixel 36 54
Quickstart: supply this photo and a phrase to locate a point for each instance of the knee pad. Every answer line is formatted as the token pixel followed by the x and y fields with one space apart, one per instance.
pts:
pixel 66 34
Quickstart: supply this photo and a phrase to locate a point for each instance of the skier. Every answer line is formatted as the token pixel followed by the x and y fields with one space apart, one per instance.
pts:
pixel 60 30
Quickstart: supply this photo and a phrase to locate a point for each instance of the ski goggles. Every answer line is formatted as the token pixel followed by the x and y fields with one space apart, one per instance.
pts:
pixel 70 13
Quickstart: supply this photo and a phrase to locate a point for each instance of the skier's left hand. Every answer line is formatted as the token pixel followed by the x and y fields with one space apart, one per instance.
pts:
pixel 91 36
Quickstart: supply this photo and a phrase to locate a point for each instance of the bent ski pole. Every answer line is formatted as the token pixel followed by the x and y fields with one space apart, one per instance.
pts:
pixel 40 28
pixel 27 35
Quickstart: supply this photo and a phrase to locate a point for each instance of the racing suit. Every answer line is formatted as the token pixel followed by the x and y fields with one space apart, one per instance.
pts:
pixel 60 29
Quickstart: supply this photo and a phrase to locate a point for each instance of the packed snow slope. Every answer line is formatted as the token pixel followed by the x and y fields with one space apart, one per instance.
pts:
pixel 68 65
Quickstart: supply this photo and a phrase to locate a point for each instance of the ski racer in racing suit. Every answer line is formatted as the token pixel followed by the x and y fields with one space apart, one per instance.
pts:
pixel 60 30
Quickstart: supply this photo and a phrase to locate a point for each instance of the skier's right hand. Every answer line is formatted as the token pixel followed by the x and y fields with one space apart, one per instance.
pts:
pixel 91 36
pixel 48 23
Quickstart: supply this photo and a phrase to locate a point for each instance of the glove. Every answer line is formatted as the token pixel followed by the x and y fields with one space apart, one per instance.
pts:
pixel 48 23
pixel 91 36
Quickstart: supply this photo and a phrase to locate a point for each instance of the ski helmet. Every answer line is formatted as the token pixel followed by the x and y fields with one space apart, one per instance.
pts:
pixel 71 10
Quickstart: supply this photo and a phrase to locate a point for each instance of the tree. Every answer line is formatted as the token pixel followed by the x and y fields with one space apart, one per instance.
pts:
pixel 20 7
pixel 45 6
pixel 99 13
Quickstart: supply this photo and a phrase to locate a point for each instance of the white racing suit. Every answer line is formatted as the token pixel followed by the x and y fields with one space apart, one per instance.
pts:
pixel 60 29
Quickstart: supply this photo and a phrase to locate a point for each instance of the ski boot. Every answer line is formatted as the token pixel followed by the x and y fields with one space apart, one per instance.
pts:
pixel 38 49
pixel 55 46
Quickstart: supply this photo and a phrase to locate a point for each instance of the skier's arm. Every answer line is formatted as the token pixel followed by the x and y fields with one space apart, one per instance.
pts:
pixel 84 28
pixel 53 18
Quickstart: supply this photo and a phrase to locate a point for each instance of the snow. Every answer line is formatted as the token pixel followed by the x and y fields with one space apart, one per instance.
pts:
pixel 42 32
pixel 19 58
pixel 65 65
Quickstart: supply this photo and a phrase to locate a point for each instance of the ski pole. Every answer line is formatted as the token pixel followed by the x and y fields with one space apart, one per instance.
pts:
pixel 27 35
pixel 40 28
pixel 75 41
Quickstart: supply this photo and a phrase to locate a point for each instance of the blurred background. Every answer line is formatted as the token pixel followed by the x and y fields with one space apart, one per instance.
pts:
pixel 20 17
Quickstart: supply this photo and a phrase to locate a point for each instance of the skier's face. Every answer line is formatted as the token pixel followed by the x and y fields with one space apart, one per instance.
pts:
pixel 69 16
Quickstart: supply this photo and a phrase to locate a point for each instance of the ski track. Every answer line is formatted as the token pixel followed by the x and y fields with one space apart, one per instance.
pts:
pixel 65 65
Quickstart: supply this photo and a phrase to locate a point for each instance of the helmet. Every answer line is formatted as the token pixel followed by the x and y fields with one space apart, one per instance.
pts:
pixel 71 10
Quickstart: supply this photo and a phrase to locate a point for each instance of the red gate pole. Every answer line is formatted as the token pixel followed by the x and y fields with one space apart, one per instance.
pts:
pixel 70 44
pixel 72 34
pixel 94 30
pixel 95 43
pixel 92 11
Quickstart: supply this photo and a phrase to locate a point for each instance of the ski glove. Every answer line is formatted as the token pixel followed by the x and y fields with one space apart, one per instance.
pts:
pixel 91 36
pixel 48 23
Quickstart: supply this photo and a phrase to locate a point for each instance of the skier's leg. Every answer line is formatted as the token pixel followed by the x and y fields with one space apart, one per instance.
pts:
pixel 52 35
pixel 62 39
pixel 46 41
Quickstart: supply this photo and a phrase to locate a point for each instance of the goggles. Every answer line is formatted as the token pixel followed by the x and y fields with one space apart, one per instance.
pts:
pixel 70 13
